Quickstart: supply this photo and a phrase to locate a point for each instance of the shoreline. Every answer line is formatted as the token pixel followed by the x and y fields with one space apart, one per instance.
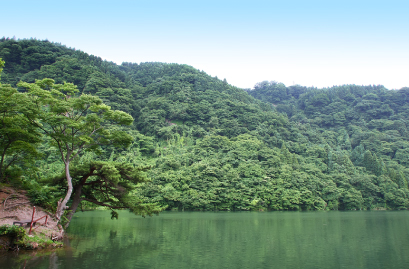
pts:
pixel 16 206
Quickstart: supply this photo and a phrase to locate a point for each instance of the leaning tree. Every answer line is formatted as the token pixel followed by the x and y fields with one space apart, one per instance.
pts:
pixel 74 122
pixel 109 184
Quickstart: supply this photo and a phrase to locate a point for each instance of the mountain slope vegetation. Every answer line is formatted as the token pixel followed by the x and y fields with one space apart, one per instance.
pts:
pixel 213 146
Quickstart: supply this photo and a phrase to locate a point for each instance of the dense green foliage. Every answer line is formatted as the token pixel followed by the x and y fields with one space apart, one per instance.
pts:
pixel 212 146
pixel 74 124
pixel 12 231
pixel 19 239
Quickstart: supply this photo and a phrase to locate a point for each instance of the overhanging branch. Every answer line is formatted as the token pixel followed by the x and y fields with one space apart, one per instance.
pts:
pixel 103 204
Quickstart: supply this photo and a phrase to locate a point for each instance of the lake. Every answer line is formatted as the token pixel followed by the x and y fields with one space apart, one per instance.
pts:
pixel 358 239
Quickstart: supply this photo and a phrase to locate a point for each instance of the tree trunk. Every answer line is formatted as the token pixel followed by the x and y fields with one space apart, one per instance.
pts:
pixel 3 155
pixel 75 203
pixel 62 206
pixel 77 196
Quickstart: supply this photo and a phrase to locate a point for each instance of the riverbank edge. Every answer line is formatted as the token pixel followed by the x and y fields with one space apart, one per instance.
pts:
pixel 14 238
pixel 16 206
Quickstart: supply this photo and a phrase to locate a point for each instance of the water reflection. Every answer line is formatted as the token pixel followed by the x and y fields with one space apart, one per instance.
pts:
pixel 231 240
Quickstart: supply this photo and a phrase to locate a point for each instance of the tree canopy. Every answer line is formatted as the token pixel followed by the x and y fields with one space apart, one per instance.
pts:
pixel 73 123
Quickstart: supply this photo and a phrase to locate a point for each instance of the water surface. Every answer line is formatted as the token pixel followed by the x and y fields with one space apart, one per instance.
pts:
pixel 361 239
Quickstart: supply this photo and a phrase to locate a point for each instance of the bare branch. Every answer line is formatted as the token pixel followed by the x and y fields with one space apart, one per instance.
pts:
pixel 8 198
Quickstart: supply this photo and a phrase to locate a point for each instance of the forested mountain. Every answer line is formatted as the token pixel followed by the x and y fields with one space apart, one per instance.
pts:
pixel 212 146
pixel 349 117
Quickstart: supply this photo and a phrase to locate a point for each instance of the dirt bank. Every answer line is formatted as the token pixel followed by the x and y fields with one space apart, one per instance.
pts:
pixel 16 206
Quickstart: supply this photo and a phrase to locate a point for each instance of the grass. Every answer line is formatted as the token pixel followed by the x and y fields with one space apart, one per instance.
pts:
pixel 21 240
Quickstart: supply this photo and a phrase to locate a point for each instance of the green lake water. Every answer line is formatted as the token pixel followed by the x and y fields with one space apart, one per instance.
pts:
pixel 359 239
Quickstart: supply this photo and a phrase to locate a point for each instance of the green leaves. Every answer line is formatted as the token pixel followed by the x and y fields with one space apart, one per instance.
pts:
pixel 18 138
pixel 13 231
pixel 75 122
pixel 1 66
pixel 212 145
pixel 110 184
pixel 118 117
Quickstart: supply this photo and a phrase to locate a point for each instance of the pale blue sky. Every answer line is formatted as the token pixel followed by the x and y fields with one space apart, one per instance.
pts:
pixel 311 43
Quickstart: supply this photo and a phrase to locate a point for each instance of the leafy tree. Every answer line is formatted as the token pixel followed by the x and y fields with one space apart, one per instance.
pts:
pixel 74 123
pixel 109 184
pixel 1 66
pixel 17 137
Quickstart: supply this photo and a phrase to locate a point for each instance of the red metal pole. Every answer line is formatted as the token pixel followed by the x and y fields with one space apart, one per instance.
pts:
pixel 32 218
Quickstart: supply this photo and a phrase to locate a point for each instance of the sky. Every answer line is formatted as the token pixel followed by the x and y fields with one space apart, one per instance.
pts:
pixel 310 43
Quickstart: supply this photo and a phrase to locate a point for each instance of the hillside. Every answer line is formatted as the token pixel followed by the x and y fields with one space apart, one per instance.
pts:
pixel 356 119
pixel 212 146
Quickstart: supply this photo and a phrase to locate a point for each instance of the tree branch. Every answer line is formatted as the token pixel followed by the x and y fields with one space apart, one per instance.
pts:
pixel 93 182
pixel 81 114
pixel 103 204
